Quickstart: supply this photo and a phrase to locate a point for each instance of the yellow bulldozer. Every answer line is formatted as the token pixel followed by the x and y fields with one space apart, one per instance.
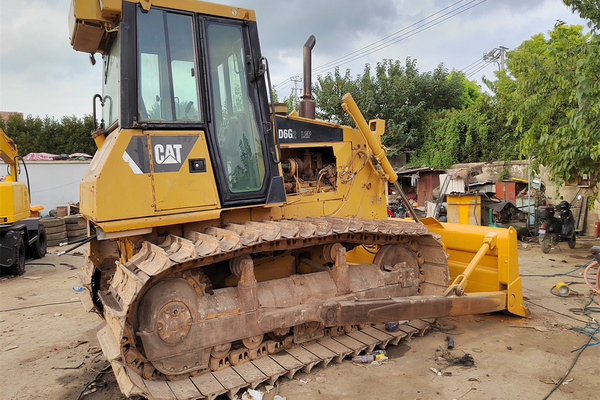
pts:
pixel 232 242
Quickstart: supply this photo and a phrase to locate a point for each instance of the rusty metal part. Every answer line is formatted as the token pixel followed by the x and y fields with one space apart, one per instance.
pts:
pixel 220 350
pixel 307 104
pixel 280 332
pixel 308 331
pixel 173 322
pixel 406 308
pixel 253 342
pixel 238 356
pixel 219 363
pixel 146 290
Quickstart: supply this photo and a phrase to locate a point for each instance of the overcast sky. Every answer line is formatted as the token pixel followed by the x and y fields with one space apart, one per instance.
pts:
pixel 40 74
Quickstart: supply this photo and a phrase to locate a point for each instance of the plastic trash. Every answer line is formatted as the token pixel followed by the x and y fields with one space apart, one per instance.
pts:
pixel 391 326
pixel 252 394
pixel 363 359
pixel 367 358
pixel 78 288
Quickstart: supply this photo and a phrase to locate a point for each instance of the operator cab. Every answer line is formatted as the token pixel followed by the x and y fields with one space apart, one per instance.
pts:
pixel 195 72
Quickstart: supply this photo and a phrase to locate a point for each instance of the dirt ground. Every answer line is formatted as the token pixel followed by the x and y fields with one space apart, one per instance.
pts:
pixel 49 350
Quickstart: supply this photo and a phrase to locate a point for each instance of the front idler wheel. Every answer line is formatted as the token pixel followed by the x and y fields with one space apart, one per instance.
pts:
pixel 166 314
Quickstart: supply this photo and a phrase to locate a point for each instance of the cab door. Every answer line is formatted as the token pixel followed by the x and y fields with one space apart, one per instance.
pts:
pixel 246 171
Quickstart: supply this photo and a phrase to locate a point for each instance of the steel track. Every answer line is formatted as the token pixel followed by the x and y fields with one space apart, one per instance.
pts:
pixel 176 255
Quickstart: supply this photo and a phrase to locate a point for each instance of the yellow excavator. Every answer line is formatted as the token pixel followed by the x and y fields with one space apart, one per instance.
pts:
pixel 232 242
pixel 21 235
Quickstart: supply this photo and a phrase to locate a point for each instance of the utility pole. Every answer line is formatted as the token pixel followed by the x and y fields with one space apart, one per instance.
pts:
pixel 497 55
pixel 296 79
pixel 502 58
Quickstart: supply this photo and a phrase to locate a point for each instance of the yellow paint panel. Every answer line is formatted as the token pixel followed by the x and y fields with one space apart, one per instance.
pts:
pixel 14 202
pixel 128 190
pixel 499 268
pixel 464 209
pixel 202 7
pixel 184 189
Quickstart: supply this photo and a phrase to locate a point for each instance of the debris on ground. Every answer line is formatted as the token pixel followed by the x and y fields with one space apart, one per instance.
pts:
pixel 72 364
pixel 370 357
pixel 251 394
pixel 450 360
pixel 268 388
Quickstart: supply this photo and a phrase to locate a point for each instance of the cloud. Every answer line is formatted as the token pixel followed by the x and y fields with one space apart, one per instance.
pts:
pixel 41 74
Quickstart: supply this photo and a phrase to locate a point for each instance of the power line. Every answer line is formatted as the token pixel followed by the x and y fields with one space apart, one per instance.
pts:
pixel 474 65
pixel 417 31
pixel 468 66
pixel 410 33
pixel 296 90
pixel 385 42
pixel 484 66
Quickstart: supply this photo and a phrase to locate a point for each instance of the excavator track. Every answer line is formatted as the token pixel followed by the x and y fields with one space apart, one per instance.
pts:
pixel 262 356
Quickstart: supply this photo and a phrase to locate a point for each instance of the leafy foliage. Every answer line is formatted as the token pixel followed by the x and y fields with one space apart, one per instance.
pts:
pixel 557 106
pixel 397 93
pixel 546 105
pixel 65 136
pixel 471 134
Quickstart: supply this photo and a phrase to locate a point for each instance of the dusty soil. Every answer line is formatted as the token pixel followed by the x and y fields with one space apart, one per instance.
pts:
pixel 49 350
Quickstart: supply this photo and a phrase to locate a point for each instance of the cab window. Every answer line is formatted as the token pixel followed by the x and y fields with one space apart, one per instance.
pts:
pixel 237 130
pixel 168 86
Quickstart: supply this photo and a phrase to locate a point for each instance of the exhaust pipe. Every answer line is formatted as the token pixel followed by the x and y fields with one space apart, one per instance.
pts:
pixel 307 105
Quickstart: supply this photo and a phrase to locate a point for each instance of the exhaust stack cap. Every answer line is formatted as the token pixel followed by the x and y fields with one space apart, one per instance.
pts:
pixel 307 104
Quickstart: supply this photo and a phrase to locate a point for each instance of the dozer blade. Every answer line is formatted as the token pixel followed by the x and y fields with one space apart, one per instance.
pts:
pixel 413 307
pixel 482 260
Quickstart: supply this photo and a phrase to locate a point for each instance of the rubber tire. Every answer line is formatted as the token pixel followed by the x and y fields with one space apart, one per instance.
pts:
pixel 73 219
pixel 572 241
pixel 52 222
pixel 546 243
pixel 76 227
pixel 18 268
pixel 52 230
pixel 78 232
pixel 56 236
pixel 38 249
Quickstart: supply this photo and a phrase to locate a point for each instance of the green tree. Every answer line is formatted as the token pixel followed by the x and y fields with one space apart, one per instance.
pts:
pixel 475 133
pixel 397 93
pixel 66 136
pixel 556 107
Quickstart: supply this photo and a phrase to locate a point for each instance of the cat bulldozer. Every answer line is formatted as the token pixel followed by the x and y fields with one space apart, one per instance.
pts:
pixel 231 242
pixel 21 235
